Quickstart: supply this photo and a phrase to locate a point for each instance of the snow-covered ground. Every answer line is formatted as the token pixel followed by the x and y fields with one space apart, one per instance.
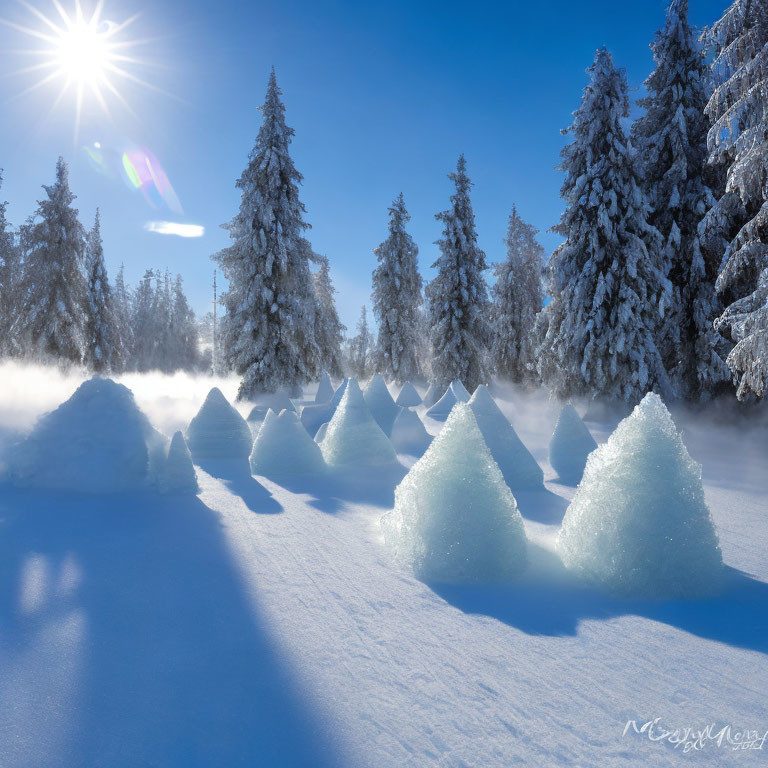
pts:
pixel 265 625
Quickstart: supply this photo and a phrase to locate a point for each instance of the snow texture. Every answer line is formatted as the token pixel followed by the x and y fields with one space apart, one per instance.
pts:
pixel 324 389
pixel 570 446
pixel 455 520
pixel 177 474
pixel 283 448
pixel 380 403
pixel 409 434
pixel 638 524
pixel 456 393
pixel 408 397
pixel 218 431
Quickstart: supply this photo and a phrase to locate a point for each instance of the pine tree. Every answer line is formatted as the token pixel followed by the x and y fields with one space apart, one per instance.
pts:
pixel 10 277
pixel 517 301
pixel 144 324
pixel 360 349
pixel 269 327
pixel 671 139
pixel 185 337
pixel 738 141
pixel 53 316
pixel 609 294
pixel 122 311
pixel 329 330
pixel 396 300
pixel 458 295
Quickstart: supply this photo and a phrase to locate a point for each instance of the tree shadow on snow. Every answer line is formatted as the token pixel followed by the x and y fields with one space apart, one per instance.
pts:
pixel 236 476
pixel 127 638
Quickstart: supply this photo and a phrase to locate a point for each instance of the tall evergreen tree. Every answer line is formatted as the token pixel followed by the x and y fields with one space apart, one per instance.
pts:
pixel 517 301
pixel 738 140
pixel 54 291
pixel 329 330
pixel 671 139
pixel 144 324
pixel 10 278
pixel 458 295
pixel 269 326
pixel 122 311
pixel 184 353
pixel 609 294
pixel 396 300
pixel 360 349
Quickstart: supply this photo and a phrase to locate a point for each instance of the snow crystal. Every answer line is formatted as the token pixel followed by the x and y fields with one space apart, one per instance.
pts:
pixel 456 393
pixel 455 519
pixel 408 397
pixel 177 474
pixel 218 431
pixel 283 447
pixel 639 524
pixel 380 403
pixel 408 433
pixel 324 389
pixel 519 468
pixel 353 437
pixel 570 446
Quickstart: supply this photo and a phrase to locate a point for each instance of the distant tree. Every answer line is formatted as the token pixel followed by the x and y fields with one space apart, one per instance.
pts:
pixel 516 302
pixel 360 349
pixel 184 353
pixel 329 330
pixel 396 299
pixel 122 313
pixel 10 279
pixel 458 295
pixel 144 324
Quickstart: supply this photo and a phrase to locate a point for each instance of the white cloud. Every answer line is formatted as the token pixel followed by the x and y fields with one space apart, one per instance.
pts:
pixel 172 228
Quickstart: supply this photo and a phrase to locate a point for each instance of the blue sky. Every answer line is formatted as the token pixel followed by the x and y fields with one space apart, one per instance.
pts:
pixel 383 97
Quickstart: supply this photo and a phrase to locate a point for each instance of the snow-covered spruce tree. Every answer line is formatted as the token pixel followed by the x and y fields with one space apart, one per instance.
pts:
pixel 517 298
pixel 269 326
pixel 144 325
pixel 53 316
pixel 609 294
pixel 458 296
pixel 329 330
pixel 10 276
pixel 184 352
pixel 359 360
pixel 671 142
pixel 121 305
pixel 738 140
pixel 396 300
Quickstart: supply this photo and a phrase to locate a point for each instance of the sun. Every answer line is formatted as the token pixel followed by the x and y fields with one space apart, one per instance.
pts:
pixel 82 54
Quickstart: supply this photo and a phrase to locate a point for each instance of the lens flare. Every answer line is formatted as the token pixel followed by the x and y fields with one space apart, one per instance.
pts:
pixel 143 172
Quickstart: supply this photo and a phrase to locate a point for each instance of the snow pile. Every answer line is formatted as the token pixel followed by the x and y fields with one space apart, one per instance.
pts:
pixel 408 397
pixel 431 395
pixel 177 474
pixel 353 437
pixel 283 447
pixel 324 389
pixel 98 441
pixel 314 416
pixel 456 393
pixel 570 446
pixel 218 431
pixel 639 524
pixel 339 393
pixel 455 519
pixel 320 436
pixel 380 403
pixel 408 433
pixel 519 468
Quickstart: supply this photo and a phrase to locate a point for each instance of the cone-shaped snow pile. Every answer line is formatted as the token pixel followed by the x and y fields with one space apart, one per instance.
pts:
pixel 353 437
pixel 314 416
pixel 321 432
pixel 283 448
pixel 408 433
pixel 339 393
pixel 519 468
pixel 177 474
pixel 98 441
pixel 408 397
pixel 455 519
pixel 456 393
pixel 277 401
pixel 431 395
pixel 570 446
pixel 380 403
pixel 218 431
pixel 324 389
pixel 638 523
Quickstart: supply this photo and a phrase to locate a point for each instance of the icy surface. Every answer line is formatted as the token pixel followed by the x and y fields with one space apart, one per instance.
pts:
pixel 321 432
pixel 570 446
pixel 408 397
pixel 456 393
pixel 177 474
pixel 324 389
pixel 409 434
pixel 314 416
pixel 339 393
pixel 218 431
pixel 455 519
pixel 283 448
pixel 380 403
pixel 98 441
pixel 431 395
pixel 353 437
pixel 518 466
pixel 638 524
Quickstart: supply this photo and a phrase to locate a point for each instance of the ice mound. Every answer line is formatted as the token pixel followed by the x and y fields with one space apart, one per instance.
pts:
pixel 177 474
pixel 321 432
pixel 218 431
pixel 431 395
pixel 408 397
pixel 339 393
pixel 283 447
pixel 314 416
pixel 380 403
pixel 456 393
pixel 638 524
pixel 277 401
pixel 324 389
pixel 353 437
pixel 519 468
pixel 570 446
pixel 98 441
pixel 408 433
pixel 455 519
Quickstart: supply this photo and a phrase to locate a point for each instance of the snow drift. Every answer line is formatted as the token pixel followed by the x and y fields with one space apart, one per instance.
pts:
pixel 408 397
pixel 283 447
pixel 570 446
pixel 639 524
pixel 409 434
pixel 380 403
pixel 218 431
pixel 456 393
pixel 177 473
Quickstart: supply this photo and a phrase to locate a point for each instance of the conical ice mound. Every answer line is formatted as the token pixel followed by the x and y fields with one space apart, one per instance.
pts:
pixel 178 473
pixel 408 433
pixel 455 519
pixel 570 446
pixel 353 437
pixel 456 393
pixel 218 431
pixel 321 432
pixel 638 524
pixel 324 389
pixel 431 395
pixel 408 397
pixel 519 468
pixel 284 448
pixel 380 403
